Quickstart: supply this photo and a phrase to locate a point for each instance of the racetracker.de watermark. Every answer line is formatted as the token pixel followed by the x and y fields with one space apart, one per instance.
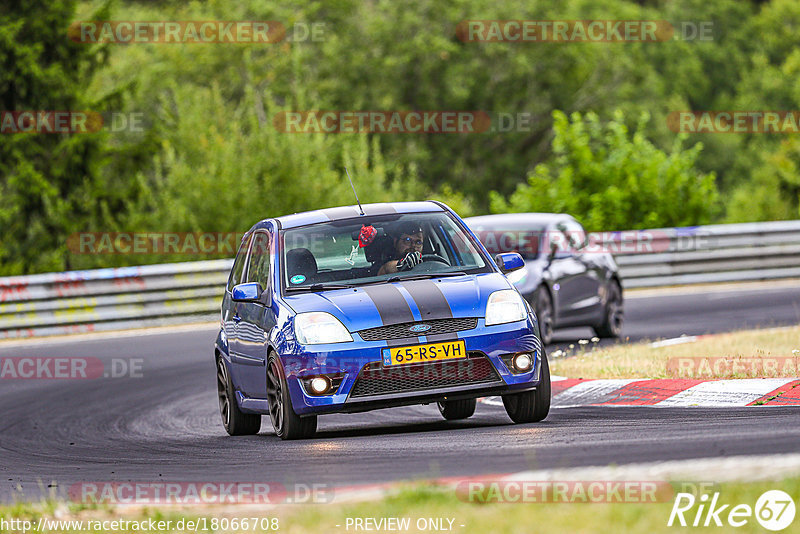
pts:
pixel 565 491
pixel 195 31
pixel 68 368
pixel 432 369
pixel 740 366
pixel 626 242
pixel 199 493
pixel 191 243
pixel 69 122
pixel 738 121
pixel 394 122
pixel 582 31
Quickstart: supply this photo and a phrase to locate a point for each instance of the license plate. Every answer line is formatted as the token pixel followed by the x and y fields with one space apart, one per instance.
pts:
pixel 431 352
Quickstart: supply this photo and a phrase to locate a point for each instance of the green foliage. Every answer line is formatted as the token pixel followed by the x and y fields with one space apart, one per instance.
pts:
pixel 611 179
pixel 51 185
pixel 210 158
pixel 43 176
pixel 774 191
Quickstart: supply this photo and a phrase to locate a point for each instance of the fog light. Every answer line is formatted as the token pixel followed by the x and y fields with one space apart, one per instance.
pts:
pixel 522 362
pixel 320 385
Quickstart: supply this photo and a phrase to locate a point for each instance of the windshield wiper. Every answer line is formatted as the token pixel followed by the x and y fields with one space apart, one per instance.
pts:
pixel 425 276
pixel 320 287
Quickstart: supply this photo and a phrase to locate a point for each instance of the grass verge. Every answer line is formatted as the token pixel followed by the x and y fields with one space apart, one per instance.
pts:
pixel 767 353
pixel 424 502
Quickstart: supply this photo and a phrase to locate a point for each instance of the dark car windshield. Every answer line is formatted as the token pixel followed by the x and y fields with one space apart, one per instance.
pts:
pixel 521 237
pixel 363 251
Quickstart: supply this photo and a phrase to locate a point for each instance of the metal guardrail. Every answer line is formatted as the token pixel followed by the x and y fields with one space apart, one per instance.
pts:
pixel 713 253
pixel 107 299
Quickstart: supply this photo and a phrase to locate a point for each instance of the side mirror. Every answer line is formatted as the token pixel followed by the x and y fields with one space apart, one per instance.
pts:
pixel 249 292
pixel 509 261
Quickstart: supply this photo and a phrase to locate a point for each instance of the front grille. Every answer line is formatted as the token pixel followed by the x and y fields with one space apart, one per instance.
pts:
pixel 438 326
pixel 375 379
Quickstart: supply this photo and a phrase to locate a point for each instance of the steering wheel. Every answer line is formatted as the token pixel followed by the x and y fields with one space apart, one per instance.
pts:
pixel 436 258
pixel 429 262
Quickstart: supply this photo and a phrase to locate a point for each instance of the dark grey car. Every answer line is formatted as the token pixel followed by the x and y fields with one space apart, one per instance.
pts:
pixel 568 281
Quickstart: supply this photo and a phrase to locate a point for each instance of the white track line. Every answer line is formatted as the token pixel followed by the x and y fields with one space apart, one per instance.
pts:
pixel 739 392
pixel 592 391
pixel 673 341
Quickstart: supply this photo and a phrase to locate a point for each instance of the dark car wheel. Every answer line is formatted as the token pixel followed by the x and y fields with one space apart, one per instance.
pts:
pixel 614 315
pixel 531 406
pixel 543 305
pixel 457 409
pixel 287 424
pixel 235 421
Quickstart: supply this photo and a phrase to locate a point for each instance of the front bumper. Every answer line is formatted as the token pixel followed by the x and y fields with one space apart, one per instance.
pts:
pixel 352 361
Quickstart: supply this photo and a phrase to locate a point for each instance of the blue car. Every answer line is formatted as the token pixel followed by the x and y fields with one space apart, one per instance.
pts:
pixel 356 308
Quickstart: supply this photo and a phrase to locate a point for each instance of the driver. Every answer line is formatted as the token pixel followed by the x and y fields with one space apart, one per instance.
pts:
pixel 407 252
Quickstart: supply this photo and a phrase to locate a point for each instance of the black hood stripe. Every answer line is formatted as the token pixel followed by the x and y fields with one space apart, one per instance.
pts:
pixel 403 342
pixel 343 212
pixel 429 299
pixel 436 338
pixel 391 304
pixel 393 308
pixel 351 212
pixel 379 209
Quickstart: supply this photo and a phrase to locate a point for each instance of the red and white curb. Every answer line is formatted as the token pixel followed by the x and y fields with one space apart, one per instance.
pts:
pixel 569 392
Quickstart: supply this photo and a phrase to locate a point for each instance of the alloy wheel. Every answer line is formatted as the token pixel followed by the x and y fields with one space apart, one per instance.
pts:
pixel 222 393
pixel 275 397
pixel 544 313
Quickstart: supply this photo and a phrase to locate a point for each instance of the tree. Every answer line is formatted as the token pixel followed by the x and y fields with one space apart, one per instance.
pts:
pixel 50 185
pixel 611 179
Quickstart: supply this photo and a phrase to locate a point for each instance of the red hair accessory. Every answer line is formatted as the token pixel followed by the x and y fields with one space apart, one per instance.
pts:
pixel 366 236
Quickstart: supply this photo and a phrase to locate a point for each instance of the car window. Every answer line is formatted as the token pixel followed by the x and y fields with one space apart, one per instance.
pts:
pixel 353 251
pixel 524 237
pixel 574 233
pixel 258 263
pixel 239 263
pixel 338 251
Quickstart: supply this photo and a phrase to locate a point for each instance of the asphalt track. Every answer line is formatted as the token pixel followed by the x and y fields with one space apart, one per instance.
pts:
pixel 697 312
pixel 164 425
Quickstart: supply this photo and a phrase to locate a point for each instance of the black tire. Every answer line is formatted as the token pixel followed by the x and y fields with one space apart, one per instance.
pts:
pixel 531 406
pixel 457 409
pixel 287 424
pixel 543 305
pixel 235 421
pixel 613 316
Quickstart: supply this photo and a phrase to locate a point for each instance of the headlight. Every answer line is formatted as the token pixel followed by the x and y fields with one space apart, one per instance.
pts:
pixel 505 306
pixel 314 328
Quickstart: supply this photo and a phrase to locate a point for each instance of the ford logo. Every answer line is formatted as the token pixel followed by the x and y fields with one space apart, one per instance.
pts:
pixel 417 328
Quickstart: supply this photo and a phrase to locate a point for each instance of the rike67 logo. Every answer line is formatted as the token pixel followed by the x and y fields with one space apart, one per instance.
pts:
pixel 774 510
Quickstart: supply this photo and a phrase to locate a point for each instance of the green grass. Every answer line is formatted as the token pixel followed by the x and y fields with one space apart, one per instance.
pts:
pixel 426 501
pixel 639 360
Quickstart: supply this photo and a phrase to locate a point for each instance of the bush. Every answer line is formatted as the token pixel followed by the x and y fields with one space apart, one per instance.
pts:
pixel 612 179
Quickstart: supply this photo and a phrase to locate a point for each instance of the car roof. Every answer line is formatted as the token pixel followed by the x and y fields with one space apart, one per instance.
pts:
pixel 348 212
pixel 518 218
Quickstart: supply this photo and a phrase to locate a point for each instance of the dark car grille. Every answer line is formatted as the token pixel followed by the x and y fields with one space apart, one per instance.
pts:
pixel 375 379
pixel 438 326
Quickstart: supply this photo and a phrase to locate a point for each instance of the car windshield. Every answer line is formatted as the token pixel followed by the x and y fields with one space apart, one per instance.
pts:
pixel 521 237
pixel 363 251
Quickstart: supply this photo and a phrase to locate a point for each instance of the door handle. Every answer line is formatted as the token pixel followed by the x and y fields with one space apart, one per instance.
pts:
pixel 236 318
